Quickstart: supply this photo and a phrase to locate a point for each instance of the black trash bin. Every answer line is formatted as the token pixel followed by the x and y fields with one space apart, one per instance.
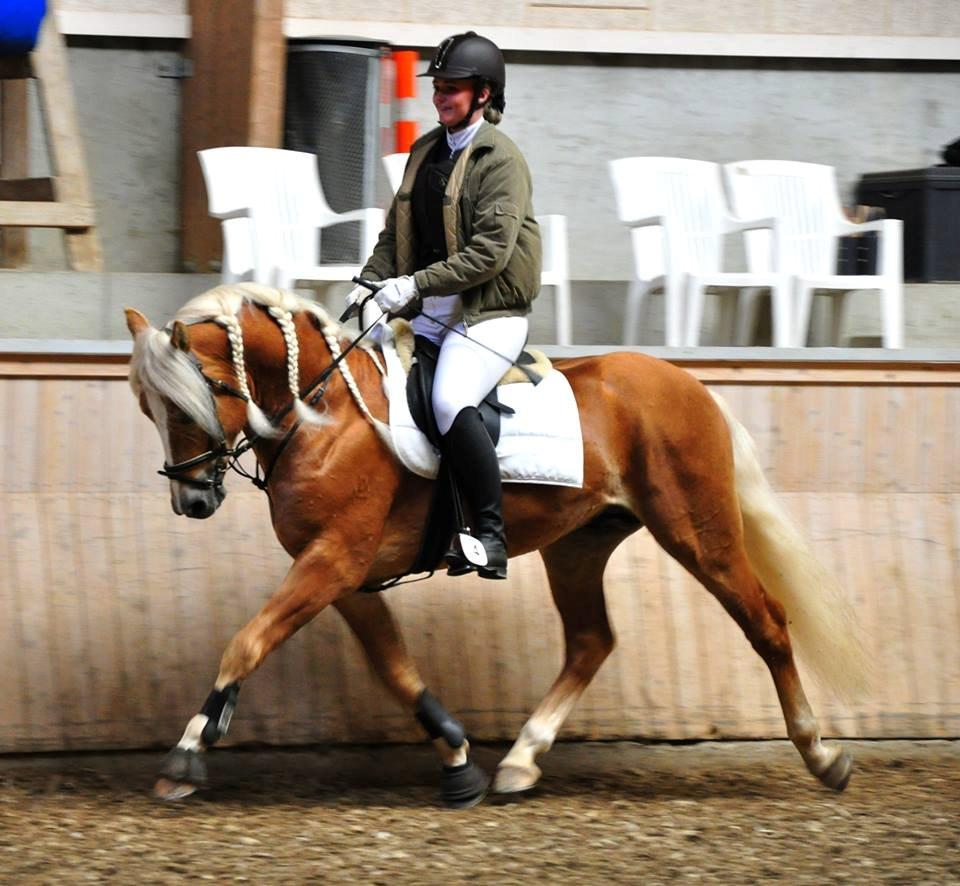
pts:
pixel 928 202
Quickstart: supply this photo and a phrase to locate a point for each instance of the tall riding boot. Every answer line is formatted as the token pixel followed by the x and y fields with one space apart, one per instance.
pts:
pixel 472 458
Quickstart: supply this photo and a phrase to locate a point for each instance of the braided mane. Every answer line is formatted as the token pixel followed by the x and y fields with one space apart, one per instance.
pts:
pixel 170 373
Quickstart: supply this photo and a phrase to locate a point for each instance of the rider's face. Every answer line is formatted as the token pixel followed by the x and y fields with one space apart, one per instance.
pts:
pixel 452 99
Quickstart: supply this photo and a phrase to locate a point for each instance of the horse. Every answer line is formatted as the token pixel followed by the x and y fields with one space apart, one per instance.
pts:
pixel 660 451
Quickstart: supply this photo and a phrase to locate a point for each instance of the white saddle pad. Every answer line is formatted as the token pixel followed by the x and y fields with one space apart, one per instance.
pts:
pixel 541 443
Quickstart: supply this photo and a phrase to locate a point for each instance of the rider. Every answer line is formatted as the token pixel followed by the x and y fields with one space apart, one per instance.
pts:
pixel 462 247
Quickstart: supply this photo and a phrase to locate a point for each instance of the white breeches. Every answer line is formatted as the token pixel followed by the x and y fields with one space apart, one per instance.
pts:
pixel 466 371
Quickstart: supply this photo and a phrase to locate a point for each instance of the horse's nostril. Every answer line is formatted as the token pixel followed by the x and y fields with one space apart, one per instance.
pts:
pixel 199 509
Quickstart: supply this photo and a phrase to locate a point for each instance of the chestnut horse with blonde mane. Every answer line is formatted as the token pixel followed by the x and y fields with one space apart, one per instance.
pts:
pixel 659 451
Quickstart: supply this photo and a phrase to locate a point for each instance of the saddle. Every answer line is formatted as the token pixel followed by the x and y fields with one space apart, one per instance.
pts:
pixel 419 356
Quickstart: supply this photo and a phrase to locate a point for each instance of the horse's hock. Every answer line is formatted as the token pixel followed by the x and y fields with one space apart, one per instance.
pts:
pixel 113 613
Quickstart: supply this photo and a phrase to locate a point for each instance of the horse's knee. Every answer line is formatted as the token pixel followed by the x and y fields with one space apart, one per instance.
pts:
pixel 242 657
pixel 587 649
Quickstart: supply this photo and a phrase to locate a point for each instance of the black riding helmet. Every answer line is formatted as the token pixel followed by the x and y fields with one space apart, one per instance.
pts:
pixel 469 56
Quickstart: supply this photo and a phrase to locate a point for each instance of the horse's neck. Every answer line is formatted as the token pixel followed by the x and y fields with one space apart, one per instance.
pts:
pixel 266 361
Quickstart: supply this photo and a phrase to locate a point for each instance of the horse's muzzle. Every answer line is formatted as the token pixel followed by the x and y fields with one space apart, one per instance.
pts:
pixel 195 503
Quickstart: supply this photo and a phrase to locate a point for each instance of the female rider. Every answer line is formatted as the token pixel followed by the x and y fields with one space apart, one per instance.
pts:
pixel 462 247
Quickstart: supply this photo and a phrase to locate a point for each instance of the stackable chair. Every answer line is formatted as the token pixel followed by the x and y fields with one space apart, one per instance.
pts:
pixel 394 164
pixel 677 215
pixel 273 214
pixel 556 263
pixel 805 201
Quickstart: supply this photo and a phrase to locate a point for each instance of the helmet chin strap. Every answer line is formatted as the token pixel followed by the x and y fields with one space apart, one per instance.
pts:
pixel 474 105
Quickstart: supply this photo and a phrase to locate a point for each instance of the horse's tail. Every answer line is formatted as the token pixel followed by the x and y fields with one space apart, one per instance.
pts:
pixel 821 622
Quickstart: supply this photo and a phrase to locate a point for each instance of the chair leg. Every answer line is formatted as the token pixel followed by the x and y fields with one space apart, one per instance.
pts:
pixel 803 300
pixel 781 311
pixel 674 294
pixel 562 308
pixel 892 295
pixel 636 293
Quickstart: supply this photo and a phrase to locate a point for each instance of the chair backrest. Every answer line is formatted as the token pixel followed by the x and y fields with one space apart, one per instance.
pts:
pixel 803 198
pixel 279 192
pixel 556 260
pixel 394 164
pixel 688 194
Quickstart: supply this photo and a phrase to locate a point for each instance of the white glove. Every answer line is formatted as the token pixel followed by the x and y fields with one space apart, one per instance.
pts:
pixel 395 293
pixel 357 294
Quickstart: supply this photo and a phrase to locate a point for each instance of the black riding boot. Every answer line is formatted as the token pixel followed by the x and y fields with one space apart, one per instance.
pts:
pixel 472 458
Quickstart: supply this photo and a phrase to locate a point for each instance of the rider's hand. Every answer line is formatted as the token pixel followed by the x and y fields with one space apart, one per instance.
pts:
pixel 357 294
pixel 395 293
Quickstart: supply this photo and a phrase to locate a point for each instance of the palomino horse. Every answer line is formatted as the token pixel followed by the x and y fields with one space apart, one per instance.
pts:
pixel 659 451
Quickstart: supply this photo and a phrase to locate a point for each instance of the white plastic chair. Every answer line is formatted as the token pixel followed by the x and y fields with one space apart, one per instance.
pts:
pixel 804 198
pixel 677 215
pixel 394 164
pixel 556 265
pixel 273 212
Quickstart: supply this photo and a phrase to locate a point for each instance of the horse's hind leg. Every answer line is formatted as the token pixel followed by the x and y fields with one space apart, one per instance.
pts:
pixel 764 622
pixel 706 537
pixel 575 567
pixel 463 783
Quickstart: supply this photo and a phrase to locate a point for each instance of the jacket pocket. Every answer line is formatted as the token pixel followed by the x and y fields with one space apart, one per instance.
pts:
pixel 504 208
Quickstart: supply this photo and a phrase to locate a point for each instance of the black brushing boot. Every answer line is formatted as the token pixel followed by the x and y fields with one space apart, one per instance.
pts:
pixel 472 458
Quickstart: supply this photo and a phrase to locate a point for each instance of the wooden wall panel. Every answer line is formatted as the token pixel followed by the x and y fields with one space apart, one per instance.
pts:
pixel 114 612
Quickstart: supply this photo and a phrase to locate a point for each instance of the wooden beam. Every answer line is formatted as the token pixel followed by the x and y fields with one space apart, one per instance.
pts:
pixel 14 160
pixel 233 97
pixel 22 214
pixel 71 182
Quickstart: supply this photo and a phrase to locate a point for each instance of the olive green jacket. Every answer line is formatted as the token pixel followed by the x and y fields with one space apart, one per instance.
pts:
pixel 493 240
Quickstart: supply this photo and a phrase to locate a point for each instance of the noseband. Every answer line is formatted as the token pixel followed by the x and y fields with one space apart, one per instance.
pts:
pixel 223 456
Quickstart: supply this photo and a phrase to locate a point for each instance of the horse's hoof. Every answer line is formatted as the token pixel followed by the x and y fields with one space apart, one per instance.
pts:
pixel 838 773
pixel 181 772
pixel 463 786
pixel 514 779
pixel 170 791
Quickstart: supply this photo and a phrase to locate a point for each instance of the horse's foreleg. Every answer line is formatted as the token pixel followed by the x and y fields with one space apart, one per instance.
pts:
pixel 575 567
pixel 318 577
pixel 463 782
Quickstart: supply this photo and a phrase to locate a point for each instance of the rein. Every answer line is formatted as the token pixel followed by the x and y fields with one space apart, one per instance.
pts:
pixel 227 458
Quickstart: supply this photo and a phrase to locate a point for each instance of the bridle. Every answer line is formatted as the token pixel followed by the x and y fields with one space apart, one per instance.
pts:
pixel 226 458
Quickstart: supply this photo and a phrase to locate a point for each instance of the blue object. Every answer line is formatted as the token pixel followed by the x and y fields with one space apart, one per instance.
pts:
pixel 19 25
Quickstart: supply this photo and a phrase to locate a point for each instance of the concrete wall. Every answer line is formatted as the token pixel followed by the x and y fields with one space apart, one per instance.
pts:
pixel 927 18
pixel 570 114
pixel 129 114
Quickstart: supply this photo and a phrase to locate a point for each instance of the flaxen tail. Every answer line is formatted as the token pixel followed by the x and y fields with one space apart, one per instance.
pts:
pixel 821 623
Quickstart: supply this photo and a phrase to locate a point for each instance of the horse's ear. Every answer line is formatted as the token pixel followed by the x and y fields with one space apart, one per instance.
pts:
pixel 179 337
pixel 136 322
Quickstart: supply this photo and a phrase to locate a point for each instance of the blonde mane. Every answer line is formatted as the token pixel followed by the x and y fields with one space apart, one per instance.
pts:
pixel 169 371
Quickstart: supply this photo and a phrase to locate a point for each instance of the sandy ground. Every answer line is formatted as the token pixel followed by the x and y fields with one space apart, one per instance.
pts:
pixel 618 813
